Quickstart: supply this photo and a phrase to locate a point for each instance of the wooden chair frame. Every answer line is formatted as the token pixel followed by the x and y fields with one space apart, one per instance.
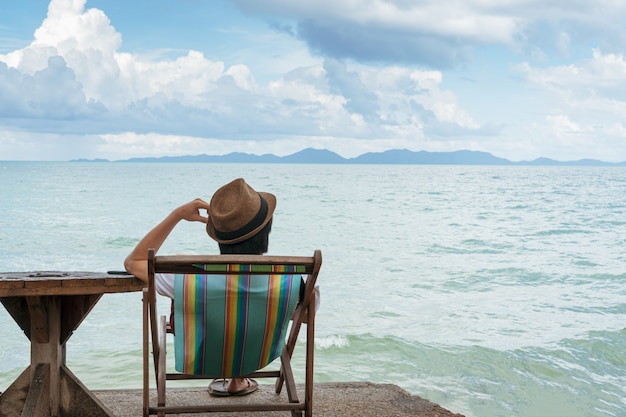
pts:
pixel 155 329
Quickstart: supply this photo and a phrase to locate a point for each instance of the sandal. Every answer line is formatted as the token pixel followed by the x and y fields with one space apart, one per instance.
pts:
pixel 219 388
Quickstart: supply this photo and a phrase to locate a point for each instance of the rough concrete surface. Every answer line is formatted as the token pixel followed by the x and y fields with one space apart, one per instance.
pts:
pixel 362 399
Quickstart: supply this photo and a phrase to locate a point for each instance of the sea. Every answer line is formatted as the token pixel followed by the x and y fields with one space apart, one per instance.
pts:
pixel 490 290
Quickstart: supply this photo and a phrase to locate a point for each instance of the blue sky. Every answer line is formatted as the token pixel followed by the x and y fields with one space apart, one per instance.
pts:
pixel 117 79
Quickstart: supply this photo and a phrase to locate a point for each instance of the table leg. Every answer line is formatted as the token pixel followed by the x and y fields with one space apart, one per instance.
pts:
pixel 47 387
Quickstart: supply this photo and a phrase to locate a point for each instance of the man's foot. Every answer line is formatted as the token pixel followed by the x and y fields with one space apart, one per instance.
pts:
pixel 242 386
pixel 236 387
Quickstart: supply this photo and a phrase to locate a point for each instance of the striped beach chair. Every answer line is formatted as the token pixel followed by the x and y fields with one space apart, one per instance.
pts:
pixel 232 316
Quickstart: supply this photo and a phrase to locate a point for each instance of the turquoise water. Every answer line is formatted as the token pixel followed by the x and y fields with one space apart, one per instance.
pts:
pixel 493 291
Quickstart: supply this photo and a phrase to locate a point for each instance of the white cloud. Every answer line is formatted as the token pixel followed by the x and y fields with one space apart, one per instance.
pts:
pixel 89 44
pixel 592 89
pixel 584 105
pixel 84 38
pixel 129 144
pixel 457 19
pixel 49 93
pixel 23 145
pixel 444 33
pixel 72 78
pixel 74 82
pixel 563 138
pixel 560 126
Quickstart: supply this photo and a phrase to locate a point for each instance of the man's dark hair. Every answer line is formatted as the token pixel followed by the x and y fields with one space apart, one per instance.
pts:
pixel 256 245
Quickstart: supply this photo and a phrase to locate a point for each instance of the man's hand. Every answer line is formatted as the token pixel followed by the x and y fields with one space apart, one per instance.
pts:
pixel 136 262
pixel 191 211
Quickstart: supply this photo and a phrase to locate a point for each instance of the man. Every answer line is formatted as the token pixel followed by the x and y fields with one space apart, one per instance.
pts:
pixel 239 219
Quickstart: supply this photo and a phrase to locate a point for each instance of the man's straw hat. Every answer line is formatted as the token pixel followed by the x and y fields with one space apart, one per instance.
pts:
pixel 237 212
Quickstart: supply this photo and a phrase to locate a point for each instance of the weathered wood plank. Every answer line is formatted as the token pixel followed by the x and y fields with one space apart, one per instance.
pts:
pixel 77 400
pixel 12 400
pixel 116 281
pixel 12 284
pixel 49 306
pixel 86 282
pixel 37 403
pixel 65 283
pixel 17 308
pixel 42 283
pixel 38 320
pixel 74 309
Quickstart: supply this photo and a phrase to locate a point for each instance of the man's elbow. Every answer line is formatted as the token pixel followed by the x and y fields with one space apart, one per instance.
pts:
pixel 131 266
pixel 128 265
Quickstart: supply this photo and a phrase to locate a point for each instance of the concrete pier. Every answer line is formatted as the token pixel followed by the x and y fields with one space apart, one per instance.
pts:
pixel 361 399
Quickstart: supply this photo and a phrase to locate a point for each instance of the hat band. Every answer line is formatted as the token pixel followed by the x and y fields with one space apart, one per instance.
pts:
pixel 252 224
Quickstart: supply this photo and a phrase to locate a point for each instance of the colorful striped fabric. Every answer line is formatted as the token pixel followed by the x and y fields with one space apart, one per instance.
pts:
pixel 233 324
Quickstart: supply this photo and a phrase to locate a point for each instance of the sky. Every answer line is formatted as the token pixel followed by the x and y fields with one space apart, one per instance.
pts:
pixel 118 79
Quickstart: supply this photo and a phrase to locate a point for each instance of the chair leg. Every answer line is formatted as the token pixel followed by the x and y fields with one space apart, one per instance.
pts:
pixel 291 343
pixel 310 354
pixel 161 364
pixel 146 357
pixel 290 382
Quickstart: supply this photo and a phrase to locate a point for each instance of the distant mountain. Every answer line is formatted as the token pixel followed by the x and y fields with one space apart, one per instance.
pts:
pixel 314 156
pixel 580 162
pixel 395 156
pixel 404 156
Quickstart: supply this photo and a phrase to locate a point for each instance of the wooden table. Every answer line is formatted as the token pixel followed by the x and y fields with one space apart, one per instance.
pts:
pixel 49 306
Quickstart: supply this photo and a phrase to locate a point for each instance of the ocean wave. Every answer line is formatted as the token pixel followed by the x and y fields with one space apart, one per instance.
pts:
pixel 121 242
pixel 522 382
